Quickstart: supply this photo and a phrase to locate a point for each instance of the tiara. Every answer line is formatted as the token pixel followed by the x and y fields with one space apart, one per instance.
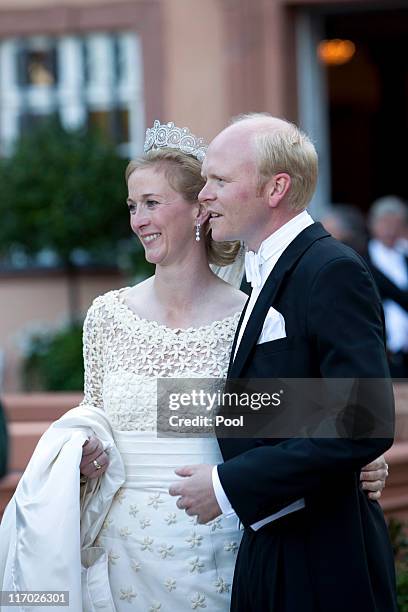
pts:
pixel 169 135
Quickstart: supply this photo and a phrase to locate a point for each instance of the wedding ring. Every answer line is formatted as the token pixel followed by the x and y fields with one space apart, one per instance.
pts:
pixel 96 464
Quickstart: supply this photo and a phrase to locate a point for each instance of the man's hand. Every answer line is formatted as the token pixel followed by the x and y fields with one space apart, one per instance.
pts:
pixel 196 492
pixel 93 456
pixel 373 477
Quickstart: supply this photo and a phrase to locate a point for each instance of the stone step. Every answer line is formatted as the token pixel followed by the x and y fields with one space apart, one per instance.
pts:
pixel 38 406
pixel 8 485
pixel 23 438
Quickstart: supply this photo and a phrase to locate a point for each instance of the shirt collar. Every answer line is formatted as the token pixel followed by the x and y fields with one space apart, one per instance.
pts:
pixel 280 239
pixel 272 248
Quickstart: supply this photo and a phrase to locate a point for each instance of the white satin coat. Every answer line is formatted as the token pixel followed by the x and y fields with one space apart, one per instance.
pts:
pixel 47 532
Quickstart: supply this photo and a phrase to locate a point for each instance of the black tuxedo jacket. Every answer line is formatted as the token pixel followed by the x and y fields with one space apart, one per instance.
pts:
pixel 334 328
pixel 387 289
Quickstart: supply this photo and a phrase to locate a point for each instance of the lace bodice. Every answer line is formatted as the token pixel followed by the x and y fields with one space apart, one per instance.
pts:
pixel 124 355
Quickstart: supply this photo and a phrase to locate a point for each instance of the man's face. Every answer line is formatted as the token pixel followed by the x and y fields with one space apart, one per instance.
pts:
pixel 237 211
pixel 388 228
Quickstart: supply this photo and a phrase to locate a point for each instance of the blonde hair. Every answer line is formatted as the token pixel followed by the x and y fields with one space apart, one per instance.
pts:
pixel 183 172
pixel 286 149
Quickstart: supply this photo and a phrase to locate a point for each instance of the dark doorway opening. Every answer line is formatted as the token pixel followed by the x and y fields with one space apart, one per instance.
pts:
pixel 368 106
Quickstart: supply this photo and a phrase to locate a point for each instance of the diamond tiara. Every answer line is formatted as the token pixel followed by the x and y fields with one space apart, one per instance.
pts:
pixel 169 135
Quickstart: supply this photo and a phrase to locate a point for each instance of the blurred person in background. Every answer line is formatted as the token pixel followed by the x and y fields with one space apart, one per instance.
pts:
pixel 347 224
pixel 387 223
pixel 402 242
pixel 3 442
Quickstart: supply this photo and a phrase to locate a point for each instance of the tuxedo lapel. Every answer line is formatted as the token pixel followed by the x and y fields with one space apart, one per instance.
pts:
pixel 234 344
pixel 285 264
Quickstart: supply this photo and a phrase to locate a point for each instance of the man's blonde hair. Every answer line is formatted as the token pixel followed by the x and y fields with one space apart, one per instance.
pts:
pixel 284 149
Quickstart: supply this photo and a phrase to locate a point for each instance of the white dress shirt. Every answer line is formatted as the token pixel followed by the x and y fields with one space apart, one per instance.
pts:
pixel 393 264
pixel 268 254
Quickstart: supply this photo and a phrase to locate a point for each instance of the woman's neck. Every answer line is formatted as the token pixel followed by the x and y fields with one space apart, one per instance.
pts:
pixel 181 288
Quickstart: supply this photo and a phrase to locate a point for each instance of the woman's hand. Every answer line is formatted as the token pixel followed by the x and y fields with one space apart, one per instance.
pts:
pixel 373 477
pixel 94 460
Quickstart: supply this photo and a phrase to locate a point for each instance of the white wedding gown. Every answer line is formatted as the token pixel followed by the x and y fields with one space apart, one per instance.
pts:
pixel 160 559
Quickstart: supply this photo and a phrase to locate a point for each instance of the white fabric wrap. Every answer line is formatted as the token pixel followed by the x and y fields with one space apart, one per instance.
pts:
pixel 47 531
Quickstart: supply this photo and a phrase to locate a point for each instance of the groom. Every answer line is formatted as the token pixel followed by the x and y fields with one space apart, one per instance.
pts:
pixel 313 542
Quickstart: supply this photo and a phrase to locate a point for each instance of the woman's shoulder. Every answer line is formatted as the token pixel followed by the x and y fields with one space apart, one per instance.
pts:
pixel 102 301
pixel 231 299
pixel 115 296
pixel 138 291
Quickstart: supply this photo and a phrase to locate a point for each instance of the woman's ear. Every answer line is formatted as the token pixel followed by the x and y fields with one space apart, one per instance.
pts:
pixel 202 214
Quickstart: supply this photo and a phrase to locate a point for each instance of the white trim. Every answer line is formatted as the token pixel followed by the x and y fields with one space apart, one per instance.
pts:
pixel 72 97
pixel 313 103
pixel 10 100
pixel 71 83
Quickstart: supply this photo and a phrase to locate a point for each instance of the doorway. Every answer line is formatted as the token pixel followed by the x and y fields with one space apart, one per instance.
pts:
pixel 368 107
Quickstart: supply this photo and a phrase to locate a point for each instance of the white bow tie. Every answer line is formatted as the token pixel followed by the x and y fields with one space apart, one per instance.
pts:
pixel 253 263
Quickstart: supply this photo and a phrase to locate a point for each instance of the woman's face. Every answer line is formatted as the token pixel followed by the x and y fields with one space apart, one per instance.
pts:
pixel 161 218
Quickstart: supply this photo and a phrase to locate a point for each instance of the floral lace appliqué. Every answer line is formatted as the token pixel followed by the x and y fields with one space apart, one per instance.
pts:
pixel 125 354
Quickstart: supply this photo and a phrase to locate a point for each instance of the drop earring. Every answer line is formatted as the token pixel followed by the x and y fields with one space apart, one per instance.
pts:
pixel 197 232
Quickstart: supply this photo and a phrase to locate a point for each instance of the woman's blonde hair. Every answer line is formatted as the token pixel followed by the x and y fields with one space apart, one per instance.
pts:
pixel 183 172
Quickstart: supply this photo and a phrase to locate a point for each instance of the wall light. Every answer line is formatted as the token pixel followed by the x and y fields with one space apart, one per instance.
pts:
pixel 336 51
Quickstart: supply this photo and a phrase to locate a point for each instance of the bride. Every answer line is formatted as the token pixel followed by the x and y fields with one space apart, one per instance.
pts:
pixel 179 323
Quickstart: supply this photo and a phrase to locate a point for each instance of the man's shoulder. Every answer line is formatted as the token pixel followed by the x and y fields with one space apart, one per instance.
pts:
pixel 329 259
pixel 328 250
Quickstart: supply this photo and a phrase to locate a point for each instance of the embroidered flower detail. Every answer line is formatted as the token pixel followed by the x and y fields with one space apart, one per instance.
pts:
pixel 215 524
pixel 135 565
pixel 124 533
pixel 222 586
pixel 231 547
pixel 155 501
pixel 145 349
pixel 194 540
pixel 171 518
pixel 133 510
pixel 155 607
pixel 127 594
pixel 166 551
pixel 178 351
pixel 193 520
pixel 170 584
pixel 145 522
pixel 196 565
pixel 119 496
pixel 106 524
pixel 113 557
pixel 198 601
pixel 147 544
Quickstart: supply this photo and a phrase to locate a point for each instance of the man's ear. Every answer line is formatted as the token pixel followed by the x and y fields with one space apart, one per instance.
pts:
pixel 277 188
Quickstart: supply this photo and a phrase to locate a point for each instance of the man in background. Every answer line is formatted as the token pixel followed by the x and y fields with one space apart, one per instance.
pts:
pixel 387 221
pixel 3 443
